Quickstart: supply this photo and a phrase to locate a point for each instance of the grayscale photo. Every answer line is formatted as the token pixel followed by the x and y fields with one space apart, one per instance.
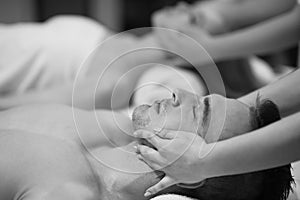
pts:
pixel 149 100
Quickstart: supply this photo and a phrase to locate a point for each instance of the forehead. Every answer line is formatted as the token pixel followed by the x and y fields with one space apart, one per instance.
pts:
pixel 158 83
pixel 229 118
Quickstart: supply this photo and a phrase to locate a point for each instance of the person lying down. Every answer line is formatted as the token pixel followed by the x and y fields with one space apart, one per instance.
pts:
pixel 53 152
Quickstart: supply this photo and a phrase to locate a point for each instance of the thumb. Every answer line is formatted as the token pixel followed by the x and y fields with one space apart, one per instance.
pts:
pixel 162 184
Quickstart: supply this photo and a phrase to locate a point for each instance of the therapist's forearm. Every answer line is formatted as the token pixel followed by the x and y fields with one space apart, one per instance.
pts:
pixel 83 96
pixel 284 93
pixel 240 13
pixel 269 36
pixel 272 146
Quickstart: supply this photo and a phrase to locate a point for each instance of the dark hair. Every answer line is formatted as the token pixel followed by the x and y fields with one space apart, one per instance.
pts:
pixel 271 184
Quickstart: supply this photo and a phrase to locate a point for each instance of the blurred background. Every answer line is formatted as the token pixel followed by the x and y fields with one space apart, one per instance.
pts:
pixel 120 15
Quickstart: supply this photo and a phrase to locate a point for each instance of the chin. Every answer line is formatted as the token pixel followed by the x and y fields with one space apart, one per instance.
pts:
pixel 140 117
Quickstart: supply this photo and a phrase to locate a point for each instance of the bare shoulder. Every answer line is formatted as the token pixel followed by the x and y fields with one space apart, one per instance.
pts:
pixel 41 162
pixel 39 156
pixel 43 118
pixel 13 141
pixel 34 108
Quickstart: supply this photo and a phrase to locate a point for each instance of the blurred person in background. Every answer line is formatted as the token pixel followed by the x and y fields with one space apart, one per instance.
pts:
pixel 43 66
pixel 41 61
pixel 237 28
pixel 232 32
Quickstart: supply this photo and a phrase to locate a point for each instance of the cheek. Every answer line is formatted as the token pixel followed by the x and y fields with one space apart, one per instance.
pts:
pixel 184 121
pixel 174 120
pixel 148 95
pixel 180 120
pixel 170 120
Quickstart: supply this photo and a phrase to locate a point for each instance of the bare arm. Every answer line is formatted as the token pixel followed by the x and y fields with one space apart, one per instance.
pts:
pixel 268 36
pixel 87 92
pixel 59 95
pixel 272 146
pixel 237 14
pixel 284 92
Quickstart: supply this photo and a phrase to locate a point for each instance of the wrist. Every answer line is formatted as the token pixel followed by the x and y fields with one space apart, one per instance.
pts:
pixel 209 159
pixel 205 160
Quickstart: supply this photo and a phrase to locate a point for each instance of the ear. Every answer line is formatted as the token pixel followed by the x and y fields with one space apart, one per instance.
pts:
pixel 266 112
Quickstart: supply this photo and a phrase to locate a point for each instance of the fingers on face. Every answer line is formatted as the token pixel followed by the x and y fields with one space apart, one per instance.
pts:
pixel 166 134
pixel 151 164
pixel 162 184
pixel 150 156
pixel 156 141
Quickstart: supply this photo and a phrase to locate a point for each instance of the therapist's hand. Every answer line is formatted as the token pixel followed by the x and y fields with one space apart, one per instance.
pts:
pixel 203 15
pixel 174 16
pixel 178 154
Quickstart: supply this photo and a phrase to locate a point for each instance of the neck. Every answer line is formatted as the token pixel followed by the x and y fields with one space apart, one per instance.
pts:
pixel 121 175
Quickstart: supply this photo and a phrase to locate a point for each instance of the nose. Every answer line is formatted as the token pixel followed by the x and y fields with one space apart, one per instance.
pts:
pixel 157 101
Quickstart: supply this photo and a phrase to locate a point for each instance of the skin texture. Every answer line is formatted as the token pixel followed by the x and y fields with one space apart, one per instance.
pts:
pixel 118 172
pixel 121 175
pixel 287 101
pixel 257 185
pixel 56 122
pixel 30 171
pixel 264 37
pixel 159 81
pixel 177 113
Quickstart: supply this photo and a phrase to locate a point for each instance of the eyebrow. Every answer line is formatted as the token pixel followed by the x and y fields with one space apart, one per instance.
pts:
pixel 206 113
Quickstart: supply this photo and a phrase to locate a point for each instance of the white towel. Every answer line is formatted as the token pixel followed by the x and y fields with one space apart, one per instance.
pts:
pixel 39 55
pixel 171 197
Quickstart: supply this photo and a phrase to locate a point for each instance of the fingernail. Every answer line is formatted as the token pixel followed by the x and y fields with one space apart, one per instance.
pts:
pixel 147 193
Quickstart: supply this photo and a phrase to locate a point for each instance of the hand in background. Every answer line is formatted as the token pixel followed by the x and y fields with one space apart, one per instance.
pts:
pixel 202 15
